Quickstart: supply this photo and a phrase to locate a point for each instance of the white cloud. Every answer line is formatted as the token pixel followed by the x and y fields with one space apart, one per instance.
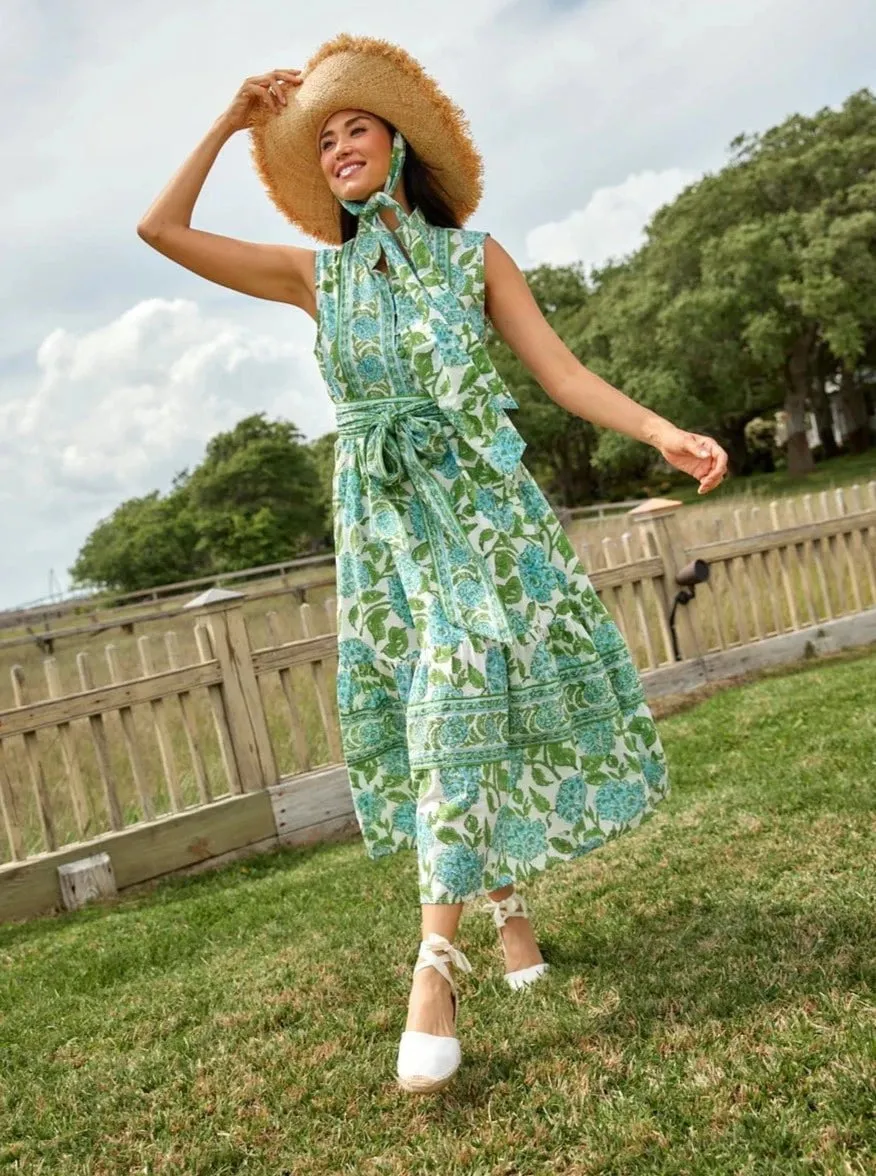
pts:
pixel 125 403
pixel 611 225
pixel 115 412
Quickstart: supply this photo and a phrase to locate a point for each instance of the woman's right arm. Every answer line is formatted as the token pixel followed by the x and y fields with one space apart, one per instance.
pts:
pixel 281 273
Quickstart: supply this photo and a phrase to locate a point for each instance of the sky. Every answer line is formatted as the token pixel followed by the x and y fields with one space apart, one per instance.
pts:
pixel 117 366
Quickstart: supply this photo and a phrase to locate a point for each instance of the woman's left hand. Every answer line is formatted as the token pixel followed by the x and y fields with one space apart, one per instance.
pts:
pixel 701 457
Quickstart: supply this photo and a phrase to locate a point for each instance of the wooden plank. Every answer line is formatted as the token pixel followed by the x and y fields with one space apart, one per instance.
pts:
pixel 766 588
pixel 843 545
pixel 72 771
pixel 129 735
pixel 785 568
pixel 768 541
pixel 801 557
pixel 637 590
pixel 668 540
pixel 785 649
pixel 300 652
pixel 141 852
pixel 865 544
pixel 654 588
pixel 304 802
pixel 296 723
pixel 217 708
pixel 38 785
pixel 11 826
pixel 190 726
pixel 818 560
pixel 241 651
pixel 619 606
pixel 106 698
pixel 97 730
pixel 745 579
pixel 162 730
pixel 327 711
pixel 833 558
pixel 249 765
pixel 641 569
pixel 711 590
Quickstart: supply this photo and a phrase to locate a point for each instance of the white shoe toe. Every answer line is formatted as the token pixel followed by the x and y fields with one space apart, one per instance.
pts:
pixel 427 1061
pixel 526 976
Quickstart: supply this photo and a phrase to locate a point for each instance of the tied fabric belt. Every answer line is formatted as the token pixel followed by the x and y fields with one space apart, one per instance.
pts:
pixel 402 436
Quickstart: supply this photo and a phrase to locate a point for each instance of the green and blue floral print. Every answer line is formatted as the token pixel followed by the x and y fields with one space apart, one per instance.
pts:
pixel 491 715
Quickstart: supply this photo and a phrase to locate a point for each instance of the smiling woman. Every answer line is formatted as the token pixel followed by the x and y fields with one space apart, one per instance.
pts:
pixel 492 717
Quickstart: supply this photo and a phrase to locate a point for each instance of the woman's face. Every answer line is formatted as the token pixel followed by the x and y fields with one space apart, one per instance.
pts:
pixel 354 152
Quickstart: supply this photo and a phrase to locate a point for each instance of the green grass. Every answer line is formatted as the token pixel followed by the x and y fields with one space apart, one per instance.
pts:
pixel 710 1009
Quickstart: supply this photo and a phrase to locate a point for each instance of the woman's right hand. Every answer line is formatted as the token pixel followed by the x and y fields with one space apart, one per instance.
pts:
pixel 264 92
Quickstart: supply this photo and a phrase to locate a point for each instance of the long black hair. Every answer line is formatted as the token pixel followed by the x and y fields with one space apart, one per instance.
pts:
pixel 422 188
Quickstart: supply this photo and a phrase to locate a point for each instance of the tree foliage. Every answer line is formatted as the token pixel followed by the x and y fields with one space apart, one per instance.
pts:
pixel 255 499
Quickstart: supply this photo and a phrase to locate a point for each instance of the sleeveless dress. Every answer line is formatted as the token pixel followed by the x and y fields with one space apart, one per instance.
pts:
pixel 492 759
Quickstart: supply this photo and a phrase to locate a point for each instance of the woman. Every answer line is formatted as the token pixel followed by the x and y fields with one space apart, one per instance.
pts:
pixel 490 712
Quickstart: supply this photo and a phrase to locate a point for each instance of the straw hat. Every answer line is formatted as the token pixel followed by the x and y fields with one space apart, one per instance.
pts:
pixel 360 73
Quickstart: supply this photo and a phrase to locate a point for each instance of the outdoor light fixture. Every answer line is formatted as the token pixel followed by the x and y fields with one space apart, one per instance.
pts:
pixel 696 572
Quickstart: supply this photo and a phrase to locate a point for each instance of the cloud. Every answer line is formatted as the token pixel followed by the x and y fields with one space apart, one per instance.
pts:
pixel 611 224
pixel 117 411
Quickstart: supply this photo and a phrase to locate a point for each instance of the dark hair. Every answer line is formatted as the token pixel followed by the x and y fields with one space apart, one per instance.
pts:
pixel 423 189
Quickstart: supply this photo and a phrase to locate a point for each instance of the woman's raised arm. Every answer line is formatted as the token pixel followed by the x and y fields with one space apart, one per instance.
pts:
pixel 517 317
pixel 281 273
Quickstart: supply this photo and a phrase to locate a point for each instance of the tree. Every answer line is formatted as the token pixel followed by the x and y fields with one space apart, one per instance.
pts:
pixel 255 498
pixel 322 452
pixel 773 257
pixel 146 542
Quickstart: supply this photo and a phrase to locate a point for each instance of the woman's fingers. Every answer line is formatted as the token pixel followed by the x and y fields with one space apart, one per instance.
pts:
pixel 273 84
pixel 269 95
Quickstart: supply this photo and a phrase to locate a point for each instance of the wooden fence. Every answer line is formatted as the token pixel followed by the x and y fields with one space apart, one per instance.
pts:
pixel 221 738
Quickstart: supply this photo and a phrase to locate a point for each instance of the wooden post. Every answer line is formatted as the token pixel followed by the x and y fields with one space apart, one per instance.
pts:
pixel 658 516
pixel 220 718
pixel 85 880
pixel 223 614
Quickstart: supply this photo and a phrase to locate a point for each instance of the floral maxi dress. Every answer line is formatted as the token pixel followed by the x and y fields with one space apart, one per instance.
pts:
pixel 493 759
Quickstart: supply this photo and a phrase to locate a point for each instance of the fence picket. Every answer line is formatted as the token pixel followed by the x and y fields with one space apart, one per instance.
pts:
pixel 72 771
pixel 296 724
pixel 217 709
pixel 190 726
pixel 101 749
pixel 35 765
pixel 161 729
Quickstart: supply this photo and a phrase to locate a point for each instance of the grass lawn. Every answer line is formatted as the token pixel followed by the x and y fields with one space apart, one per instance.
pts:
pixel 710 1009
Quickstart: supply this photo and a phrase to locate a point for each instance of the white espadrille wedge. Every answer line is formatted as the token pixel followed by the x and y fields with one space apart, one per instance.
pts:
pixel 427 1061
pixel 502 911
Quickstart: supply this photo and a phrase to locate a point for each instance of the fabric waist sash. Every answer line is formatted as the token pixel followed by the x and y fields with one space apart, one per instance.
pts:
pixel 402 436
